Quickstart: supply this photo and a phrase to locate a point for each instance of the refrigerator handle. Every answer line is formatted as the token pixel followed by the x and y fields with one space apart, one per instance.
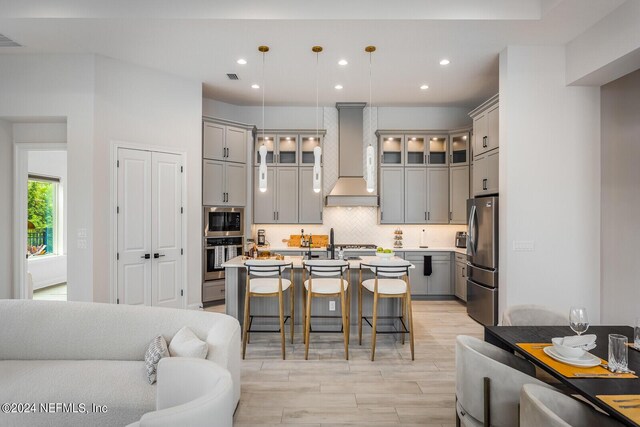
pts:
pixel 471 243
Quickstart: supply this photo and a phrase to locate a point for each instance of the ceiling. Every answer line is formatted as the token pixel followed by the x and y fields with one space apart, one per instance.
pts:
pixel 202 40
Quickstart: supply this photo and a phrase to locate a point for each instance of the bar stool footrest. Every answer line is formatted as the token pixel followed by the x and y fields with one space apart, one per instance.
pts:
pixel 404 329
pixel 286 318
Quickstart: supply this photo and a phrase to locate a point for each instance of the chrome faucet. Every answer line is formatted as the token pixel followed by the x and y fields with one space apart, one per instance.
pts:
pixel 332 245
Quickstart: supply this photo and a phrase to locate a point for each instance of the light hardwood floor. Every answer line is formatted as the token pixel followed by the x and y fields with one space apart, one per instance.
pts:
pixel 329 391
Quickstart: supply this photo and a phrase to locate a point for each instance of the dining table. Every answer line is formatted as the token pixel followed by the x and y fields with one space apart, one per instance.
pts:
pixel 511 337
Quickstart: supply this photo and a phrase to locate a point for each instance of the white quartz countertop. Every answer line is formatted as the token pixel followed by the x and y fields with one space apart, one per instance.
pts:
pixel 405 249
pixel 238 262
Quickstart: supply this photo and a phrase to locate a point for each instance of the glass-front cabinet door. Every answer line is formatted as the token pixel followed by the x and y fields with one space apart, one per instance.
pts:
pixel 438 150
pixel 391 149
pixel 269 142
pixel 287 150
pixel 459 152
pixel 415 150
pixel 307 144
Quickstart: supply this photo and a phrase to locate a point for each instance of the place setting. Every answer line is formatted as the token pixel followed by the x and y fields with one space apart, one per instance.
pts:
pixel 570 355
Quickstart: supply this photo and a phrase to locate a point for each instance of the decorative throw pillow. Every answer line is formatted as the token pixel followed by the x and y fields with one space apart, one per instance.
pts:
pixel 186 344
pixel 156 351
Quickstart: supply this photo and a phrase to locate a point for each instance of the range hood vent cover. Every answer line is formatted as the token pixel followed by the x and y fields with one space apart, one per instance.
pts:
pixel 351 187
pixel 7 42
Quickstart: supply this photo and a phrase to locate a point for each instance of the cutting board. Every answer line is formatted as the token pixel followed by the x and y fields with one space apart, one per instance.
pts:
pixel 319 240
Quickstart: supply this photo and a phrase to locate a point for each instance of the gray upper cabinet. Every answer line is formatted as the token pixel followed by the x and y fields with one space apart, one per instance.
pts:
pixel 269 141
pixel 213 141
pixel 415 198
pixel 480 131
pixel 438 151
pixel 264 204
pixel 236 184
pixel 437 195
pixel 279 204
pixel 224 183
pixel 307 144
pixel 391 150
pixel 236 144
pixel 287 195
pixel 415 150
pixel 222 142
pixel 486 130
pixel 486 174
pixel 213 190
pixel 493 129
pixel 310 202
pixel 459 149
pixel 458 194
pixel 391 195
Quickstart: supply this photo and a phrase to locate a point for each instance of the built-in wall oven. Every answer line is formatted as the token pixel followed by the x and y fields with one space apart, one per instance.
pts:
pixel 222 221
pixel 223 239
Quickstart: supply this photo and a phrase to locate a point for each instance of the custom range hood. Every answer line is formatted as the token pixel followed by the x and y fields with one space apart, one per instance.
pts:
pixel 351 188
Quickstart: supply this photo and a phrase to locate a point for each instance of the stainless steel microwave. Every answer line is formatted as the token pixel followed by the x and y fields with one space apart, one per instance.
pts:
pixel 221 222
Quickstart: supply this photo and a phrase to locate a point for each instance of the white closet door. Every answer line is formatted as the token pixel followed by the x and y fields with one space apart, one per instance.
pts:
pixel 166 234
pixel 134 227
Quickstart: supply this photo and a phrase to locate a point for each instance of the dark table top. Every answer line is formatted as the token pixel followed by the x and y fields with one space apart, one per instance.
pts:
pixel 507 337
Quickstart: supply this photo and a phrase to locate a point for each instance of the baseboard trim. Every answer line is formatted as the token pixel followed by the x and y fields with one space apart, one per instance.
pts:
pixel 196 306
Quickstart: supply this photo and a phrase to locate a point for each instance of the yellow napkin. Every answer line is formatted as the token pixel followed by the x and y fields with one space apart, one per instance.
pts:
pixel 536 350
pixel 631 400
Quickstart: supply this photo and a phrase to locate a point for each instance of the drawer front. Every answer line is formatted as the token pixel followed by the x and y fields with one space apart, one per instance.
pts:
pixel 212 292
pixel 435 256
pixel 461 258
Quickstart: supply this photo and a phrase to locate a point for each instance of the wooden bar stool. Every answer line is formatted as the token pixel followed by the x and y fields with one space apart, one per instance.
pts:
pixel 267 282
pixel 326 280
pixel 391 281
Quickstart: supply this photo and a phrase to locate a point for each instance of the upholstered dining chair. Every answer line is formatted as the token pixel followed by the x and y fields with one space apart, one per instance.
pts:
pixel 541 406
pixel 533 315
pixel 488 383
pixel 327 280
pixel 391 280
pixel 265 279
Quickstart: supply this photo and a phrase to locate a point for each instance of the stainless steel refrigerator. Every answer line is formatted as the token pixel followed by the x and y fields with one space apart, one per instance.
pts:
pixel 482 260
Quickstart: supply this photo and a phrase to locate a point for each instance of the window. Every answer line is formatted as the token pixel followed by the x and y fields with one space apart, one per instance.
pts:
pixel 42 207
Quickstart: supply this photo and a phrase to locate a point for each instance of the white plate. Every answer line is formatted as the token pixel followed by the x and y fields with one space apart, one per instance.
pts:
pixel 385 255
pixel 587 360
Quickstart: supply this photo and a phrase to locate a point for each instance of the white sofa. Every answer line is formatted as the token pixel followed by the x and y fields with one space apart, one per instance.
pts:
pixel 71 352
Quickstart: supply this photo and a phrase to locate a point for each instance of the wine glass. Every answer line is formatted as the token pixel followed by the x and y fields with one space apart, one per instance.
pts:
pixel 578 320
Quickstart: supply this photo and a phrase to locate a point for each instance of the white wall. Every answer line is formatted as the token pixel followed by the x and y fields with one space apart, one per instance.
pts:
pixel 140 105
pixel 607 50
pixel 50 269
pixel 59 86
pixel 6 209
pixel 549 183
pixel 620 199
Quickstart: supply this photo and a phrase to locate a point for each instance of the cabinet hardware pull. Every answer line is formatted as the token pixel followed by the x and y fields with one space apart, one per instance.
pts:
pixel 278 215
pixel 450 215
pixel 428 216
pixel 484 184
pixel 157 255
pixel 484 141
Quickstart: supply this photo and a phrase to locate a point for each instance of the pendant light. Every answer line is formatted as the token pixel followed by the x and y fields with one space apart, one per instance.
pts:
pixel 369 153
pixel 262 170
pixel 317 151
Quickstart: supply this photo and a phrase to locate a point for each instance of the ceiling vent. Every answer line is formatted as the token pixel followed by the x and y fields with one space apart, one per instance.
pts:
pixel 7 42
pixel 233 76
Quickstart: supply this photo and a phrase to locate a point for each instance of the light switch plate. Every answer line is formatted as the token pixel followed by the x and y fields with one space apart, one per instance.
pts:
pixel 523 245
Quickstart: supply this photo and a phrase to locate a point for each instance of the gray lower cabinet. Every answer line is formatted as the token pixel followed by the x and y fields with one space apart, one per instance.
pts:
pixel 391 195
pixel 485 173
pixel 310 202
pixel 458 194
pixel 439 282
pixel 415 195
pixel 437 195
pixel 460 280
pixel 224 184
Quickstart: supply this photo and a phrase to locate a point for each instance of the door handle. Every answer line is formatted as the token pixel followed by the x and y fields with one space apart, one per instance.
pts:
pixel 146 256
pixel 157 255
pixel 484 141
pixel 471 232
pixel 484 184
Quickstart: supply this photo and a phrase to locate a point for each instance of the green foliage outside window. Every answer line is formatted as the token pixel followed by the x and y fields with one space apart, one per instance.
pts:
pixel 41 208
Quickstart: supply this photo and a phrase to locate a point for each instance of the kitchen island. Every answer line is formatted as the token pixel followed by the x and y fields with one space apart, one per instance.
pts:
pixel 235 285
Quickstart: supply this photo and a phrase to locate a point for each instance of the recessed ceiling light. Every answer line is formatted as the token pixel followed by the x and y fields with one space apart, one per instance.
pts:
pixel 444 62
pixel 338 87
pixel 242 61
pixel 343 62
pixel 255 86
pixel 424 87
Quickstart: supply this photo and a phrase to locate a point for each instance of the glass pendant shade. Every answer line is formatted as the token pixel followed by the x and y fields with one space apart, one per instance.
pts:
pixel 262 170
pixel 369 171
pixel 317 173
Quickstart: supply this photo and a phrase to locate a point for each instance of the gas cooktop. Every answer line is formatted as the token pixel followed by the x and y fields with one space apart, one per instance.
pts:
pixel 356 246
